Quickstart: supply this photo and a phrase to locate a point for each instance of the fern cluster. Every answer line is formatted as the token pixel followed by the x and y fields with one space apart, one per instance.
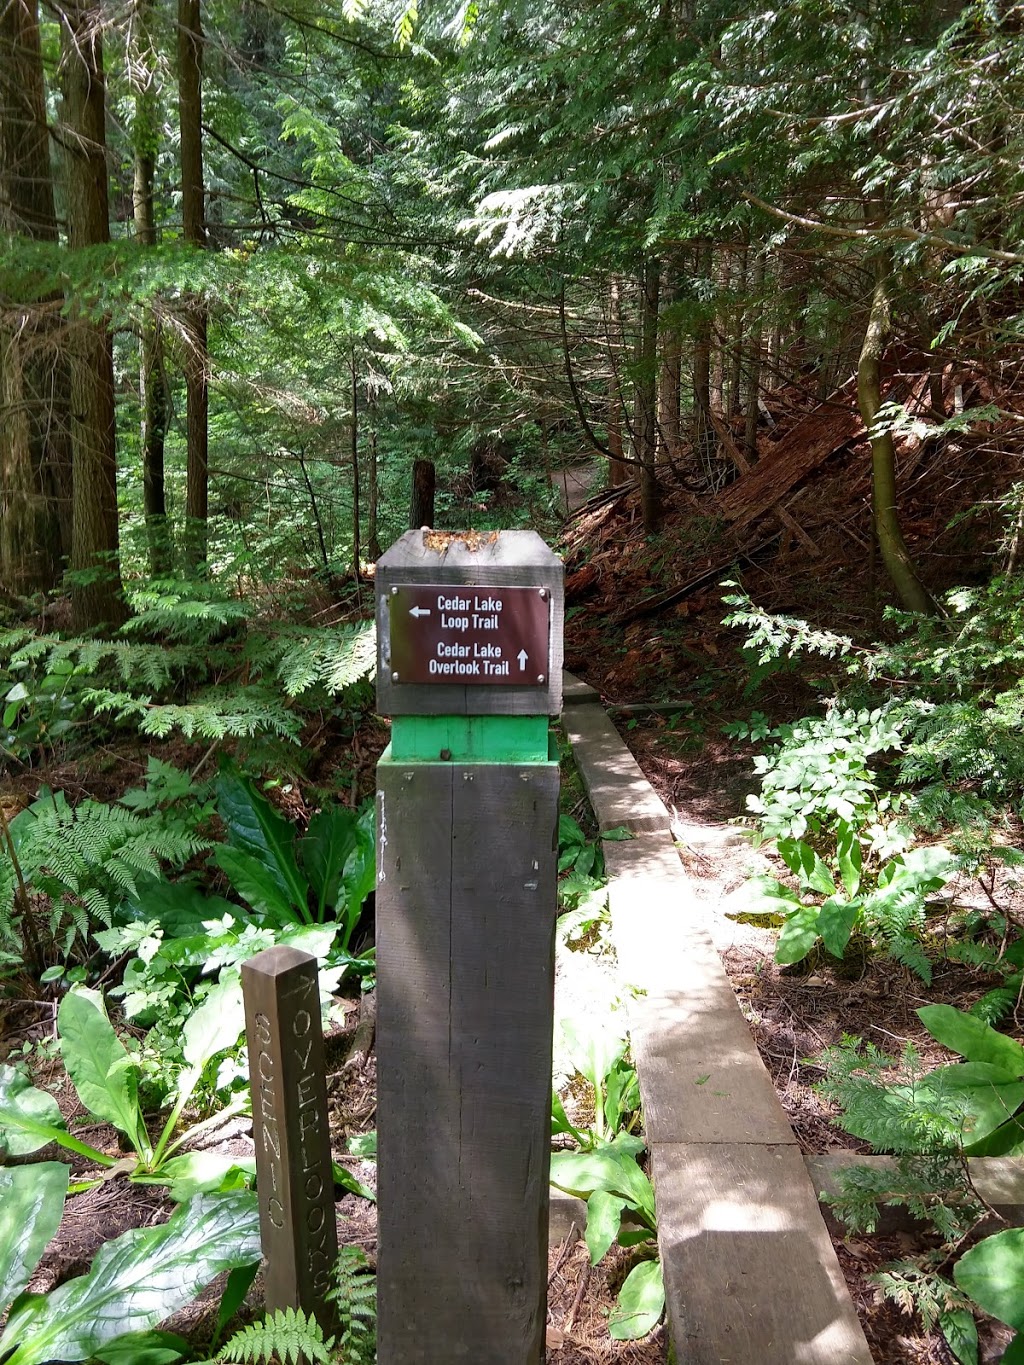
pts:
pixel 191 659
pixel 877 1094
pixel 291 1336
pixel 86 859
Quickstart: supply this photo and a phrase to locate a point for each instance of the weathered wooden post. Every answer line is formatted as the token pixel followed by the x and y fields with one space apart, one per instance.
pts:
pixel 469 667
pixel 294 1178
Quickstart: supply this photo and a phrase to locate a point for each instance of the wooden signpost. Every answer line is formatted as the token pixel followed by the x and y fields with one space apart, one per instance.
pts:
pixel 295 1183
pixel 469 669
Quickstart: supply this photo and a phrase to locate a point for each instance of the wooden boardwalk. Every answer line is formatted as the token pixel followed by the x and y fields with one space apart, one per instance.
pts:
pixel 751 1276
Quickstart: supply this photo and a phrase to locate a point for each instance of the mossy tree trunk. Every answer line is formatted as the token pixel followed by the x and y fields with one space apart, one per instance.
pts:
pixel 893 548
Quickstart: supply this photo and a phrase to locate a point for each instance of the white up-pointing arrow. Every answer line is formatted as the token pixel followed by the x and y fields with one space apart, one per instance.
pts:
pixel 419 611
pixel 522 656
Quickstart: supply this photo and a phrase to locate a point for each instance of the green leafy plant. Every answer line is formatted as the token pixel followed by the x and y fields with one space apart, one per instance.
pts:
pixel 87 860
pixel 291 1336
pixel 136 1280
pixel 326 875
pixel 598 1049
pixel 106 1078
pixel 933 1120
pixel 610 1180
pixel 888 906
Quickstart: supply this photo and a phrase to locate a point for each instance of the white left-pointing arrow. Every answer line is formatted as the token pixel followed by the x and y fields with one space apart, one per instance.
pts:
pixel 522 656
pixel 419 611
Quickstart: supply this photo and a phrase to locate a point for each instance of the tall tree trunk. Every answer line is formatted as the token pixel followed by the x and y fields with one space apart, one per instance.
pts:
pixel 421 506
pixel 617 470
pixel 96 595
pixel 356 546
pixel 755 340
pixel 645 417
pixel 669 379
pixel 704 439
pixel 153 395
pixel 893 548
pixel 734 406
pixel 35 447
pixel 372 497
pixel 197 397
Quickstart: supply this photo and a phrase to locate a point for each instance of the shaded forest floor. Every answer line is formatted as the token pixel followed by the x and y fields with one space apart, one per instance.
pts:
pixel 644 626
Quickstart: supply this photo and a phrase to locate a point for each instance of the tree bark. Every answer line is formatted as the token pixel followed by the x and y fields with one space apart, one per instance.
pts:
pixel 421 508
pixel 197 396
pixel 35 447
pixel 617 471
pixel 356 546
pixel 96 595
pixel 704 440
pixel 154 399
pixel 754 343
pixel 895 555
pixel 669 379
pixel 372 497
pixel 645 418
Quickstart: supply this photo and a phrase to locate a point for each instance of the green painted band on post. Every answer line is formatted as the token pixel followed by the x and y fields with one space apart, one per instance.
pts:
pixel 469 739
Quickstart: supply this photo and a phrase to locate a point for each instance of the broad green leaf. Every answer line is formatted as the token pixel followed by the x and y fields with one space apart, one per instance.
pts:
pixel 604 1215
pixel 978 1096
pixel 324 852
pixel 359 877
pixel 961 1333
pixel 136 1281
pixel 799 935
pixel 353 1184
pixel 641 1303
pixel 595 1044
pixel 569 833
pixel 1006 1140
pixel 194 1173
pixel 180 907
pixel 256 884
pixel 972 1038
pixel 144 1348
pixel 363 1144
pixel 849 857
pixel 835 924
pixel 29 1118
pixel 622 1094
pixel 104 1074
pixel 804 863
pixel 1014 1353
pixel 992 1273
pixel 31 1206
pixel 215 1025
pixel 560 1122
pixel 767 896
pixel 612 1168
pixel 256 828
pixel 239 1281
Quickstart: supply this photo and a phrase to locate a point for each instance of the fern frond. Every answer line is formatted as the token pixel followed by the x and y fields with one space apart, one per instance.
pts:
pixel 287 1335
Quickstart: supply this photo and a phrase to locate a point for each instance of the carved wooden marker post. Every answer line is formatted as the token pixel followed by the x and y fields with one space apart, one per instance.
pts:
pixel 469 667
pixel 295 1183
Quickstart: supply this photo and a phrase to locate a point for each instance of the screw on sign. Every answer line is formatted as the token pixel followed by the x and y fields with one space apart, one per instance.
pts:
pixel 442 633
